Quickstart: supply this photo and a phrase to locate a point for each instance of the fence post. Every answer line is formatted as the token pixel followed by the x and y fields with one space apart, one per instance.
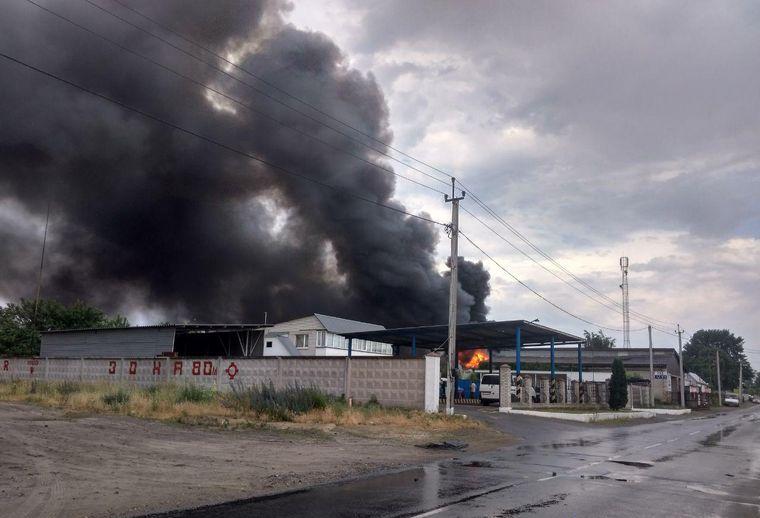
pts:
pixel 219 373
pixel 121 369
pixel 278 381
pixel 47 367
pixel 166 364
pixel 81 369
pixel 432 382
pixel 505 388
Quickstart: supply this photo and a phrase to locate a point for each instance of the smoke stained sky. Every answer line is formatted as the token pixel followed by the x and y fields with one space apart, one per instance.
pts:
pixel 158 224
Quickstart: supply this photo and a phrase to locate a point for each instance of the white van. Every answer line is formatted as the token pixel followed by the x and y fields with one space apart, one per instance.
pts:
pixel 489 388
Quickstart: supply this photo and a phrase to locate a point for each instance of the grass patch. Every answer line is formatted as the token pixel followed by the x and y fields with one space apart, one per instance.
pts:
pixel 116 399
pixel 243 407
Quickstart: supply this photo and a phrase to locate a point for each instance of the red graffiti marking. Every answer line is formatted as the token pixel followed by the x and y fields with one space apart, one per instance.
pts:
pixel 5 365
pixel 33 362
pixel 232 371
pixel 133 367
pixel 156 367
pixel 208 368
pixel 196 368
pixel 31 369
pixel 112 367
pixel 177 368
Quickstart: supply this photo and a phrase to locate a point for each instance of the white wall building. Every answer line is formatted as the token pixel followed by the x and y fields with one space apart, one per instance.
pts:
pixel 321 335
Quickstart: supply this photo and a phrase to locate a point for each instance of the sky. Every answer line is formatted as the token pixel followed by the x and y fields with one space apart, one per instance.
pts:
pixel 597 130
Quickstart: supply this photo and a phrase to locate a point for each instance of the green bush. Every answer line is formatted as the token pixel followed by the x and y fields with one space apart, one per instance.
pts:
pixel 194 394
pixel 618 386
pixel 116 399
pixel 66 388
pixel 278 404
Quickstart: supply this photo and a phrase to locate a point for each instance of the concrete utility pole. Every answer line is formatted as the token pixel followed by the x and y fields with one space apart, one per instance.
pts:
pixel 717 366
pixel 651 370
pixel 740 381
pixel 453 292
pixel 680 362
pixel 39 277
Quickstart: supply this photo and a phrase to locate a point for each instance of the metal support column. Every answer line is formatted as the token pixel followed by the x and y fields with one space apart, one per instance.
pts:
pixel 490 360
pixel 518 344
pixel 580 363
pixel 350 346
pixel 552 359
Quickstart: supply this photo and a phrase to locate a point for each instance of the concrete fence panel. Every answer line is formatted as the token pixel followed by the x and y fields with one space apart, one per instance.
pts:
pixel 394 382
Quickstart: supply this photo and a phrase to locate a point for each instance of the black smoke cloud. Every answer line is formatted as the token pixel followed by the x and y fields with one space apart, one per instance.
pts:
pixel 144 217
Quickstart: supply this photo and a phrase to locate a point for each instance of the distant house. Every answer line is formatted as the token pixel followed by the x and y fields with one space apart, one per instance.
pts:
pixel 321 335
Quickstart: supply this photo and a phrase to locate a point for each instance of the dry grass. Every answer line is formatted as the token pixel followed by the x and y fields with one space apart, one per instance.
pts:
pixel 190 405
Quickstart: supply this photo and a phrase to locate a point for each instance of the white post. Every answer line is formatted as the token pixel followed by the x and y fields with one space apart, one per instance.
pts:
pixel 717 365
pixel 432 380
pixel 505 388
pixel 680 362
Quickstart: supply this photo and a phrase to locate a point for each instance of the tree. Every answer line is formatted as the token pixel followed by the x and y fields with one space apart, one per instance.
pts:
pixel 20 329
pixel 618 386
pixel 699 357
pixel 598 340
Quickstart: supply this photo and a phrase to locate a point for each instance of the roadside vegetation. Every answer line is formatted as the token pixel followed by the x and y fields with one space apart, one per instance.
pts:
pixel 242 407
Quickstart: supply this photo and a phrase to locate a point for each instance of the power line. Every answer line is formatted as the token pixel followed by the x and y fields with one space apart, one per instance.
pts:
pixel 527 241
pixel 539 295
pixel 228 97
pixel 213 141
pixel 259 91
pixel 552 272
pixel 193 42
pixel 196 44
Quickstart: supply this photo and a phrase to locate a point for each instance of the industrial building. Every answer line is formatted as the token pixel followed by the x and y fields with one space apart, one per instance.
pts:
pixel 314 335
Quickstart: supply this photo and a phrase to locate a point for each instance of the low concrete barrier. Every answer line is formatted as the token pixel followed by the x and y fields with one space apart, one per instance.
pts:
pixel 404 382
pixel 586 417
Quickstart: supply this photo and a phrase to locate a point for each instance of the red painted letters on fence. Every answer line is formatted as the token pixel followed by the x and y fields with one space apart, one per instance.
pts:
pixel 112 367
pixel 133 367
pixel 208 368
pixel 196 368
pixel 156 367
pixel 177 368
pixel 5 365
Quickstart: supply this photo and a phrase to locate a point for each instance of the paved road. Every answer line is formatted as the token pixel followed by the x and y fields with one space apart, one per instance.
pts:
pixel 701 465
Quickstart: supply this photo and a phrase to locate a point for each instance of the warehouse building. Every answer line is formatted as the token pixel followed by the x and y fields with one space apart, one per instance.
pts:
pixel 314 335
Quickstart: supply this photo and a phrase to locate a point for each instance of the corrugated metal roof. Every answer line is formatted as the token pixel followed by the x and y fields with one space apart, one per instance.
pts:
pixel 178 327
pixel 341 326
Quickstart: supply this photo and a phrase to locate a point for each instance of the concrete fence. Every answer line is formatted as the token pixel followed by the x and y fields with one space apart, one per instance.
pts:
pixel 408 382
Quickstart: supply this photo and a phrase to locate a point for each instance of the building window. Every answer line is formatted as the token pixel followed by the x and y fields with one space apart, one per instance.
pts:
pixel 302 341
pixel 321 339
pixel 269 343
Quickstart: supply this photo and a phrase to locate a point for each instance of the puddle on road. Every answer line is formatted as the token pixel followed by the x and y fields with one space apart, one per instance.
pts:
pixel 634 463
pixel 604 477
pixel 572 444
pixel 714 438
pixel 529 508
pixel 476 464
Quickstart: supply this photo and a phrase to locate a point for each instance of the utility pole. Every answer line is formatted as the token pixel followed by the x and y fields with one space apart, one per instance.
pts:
pixel 39 276
pixel 717 366
pixel 453 292
pixel 680 362
pixel 740 381
pixel 626 304
pixel 651 371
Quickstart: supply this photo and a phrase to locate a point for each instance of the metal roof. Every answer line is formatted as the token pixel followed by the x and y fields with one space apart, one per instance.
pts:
pixel 474 335
pixel 341 326
pixel 180 328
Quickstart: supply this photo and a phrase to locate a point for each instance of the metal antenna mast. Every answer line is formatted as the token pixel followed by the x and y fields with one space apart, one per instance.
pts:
pixel 453 291
pixel 626 315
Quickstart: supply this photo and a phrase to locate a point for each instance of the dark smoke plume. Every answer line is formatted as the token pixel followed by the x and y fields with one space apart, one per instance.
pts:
pixel 149 219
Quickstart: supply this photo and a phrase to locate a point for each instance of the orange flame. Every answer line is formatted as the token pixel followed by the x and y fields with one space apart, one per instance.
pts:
pixel 474 361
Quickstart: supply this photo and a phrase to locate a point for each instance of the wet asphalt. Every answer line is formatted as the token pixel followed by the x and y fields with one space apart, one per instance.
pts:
pixel 704 464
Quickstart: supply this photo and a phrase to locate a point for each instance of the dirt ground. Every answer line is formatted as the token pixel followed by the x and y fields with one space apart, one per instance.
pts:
pixel 54 465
